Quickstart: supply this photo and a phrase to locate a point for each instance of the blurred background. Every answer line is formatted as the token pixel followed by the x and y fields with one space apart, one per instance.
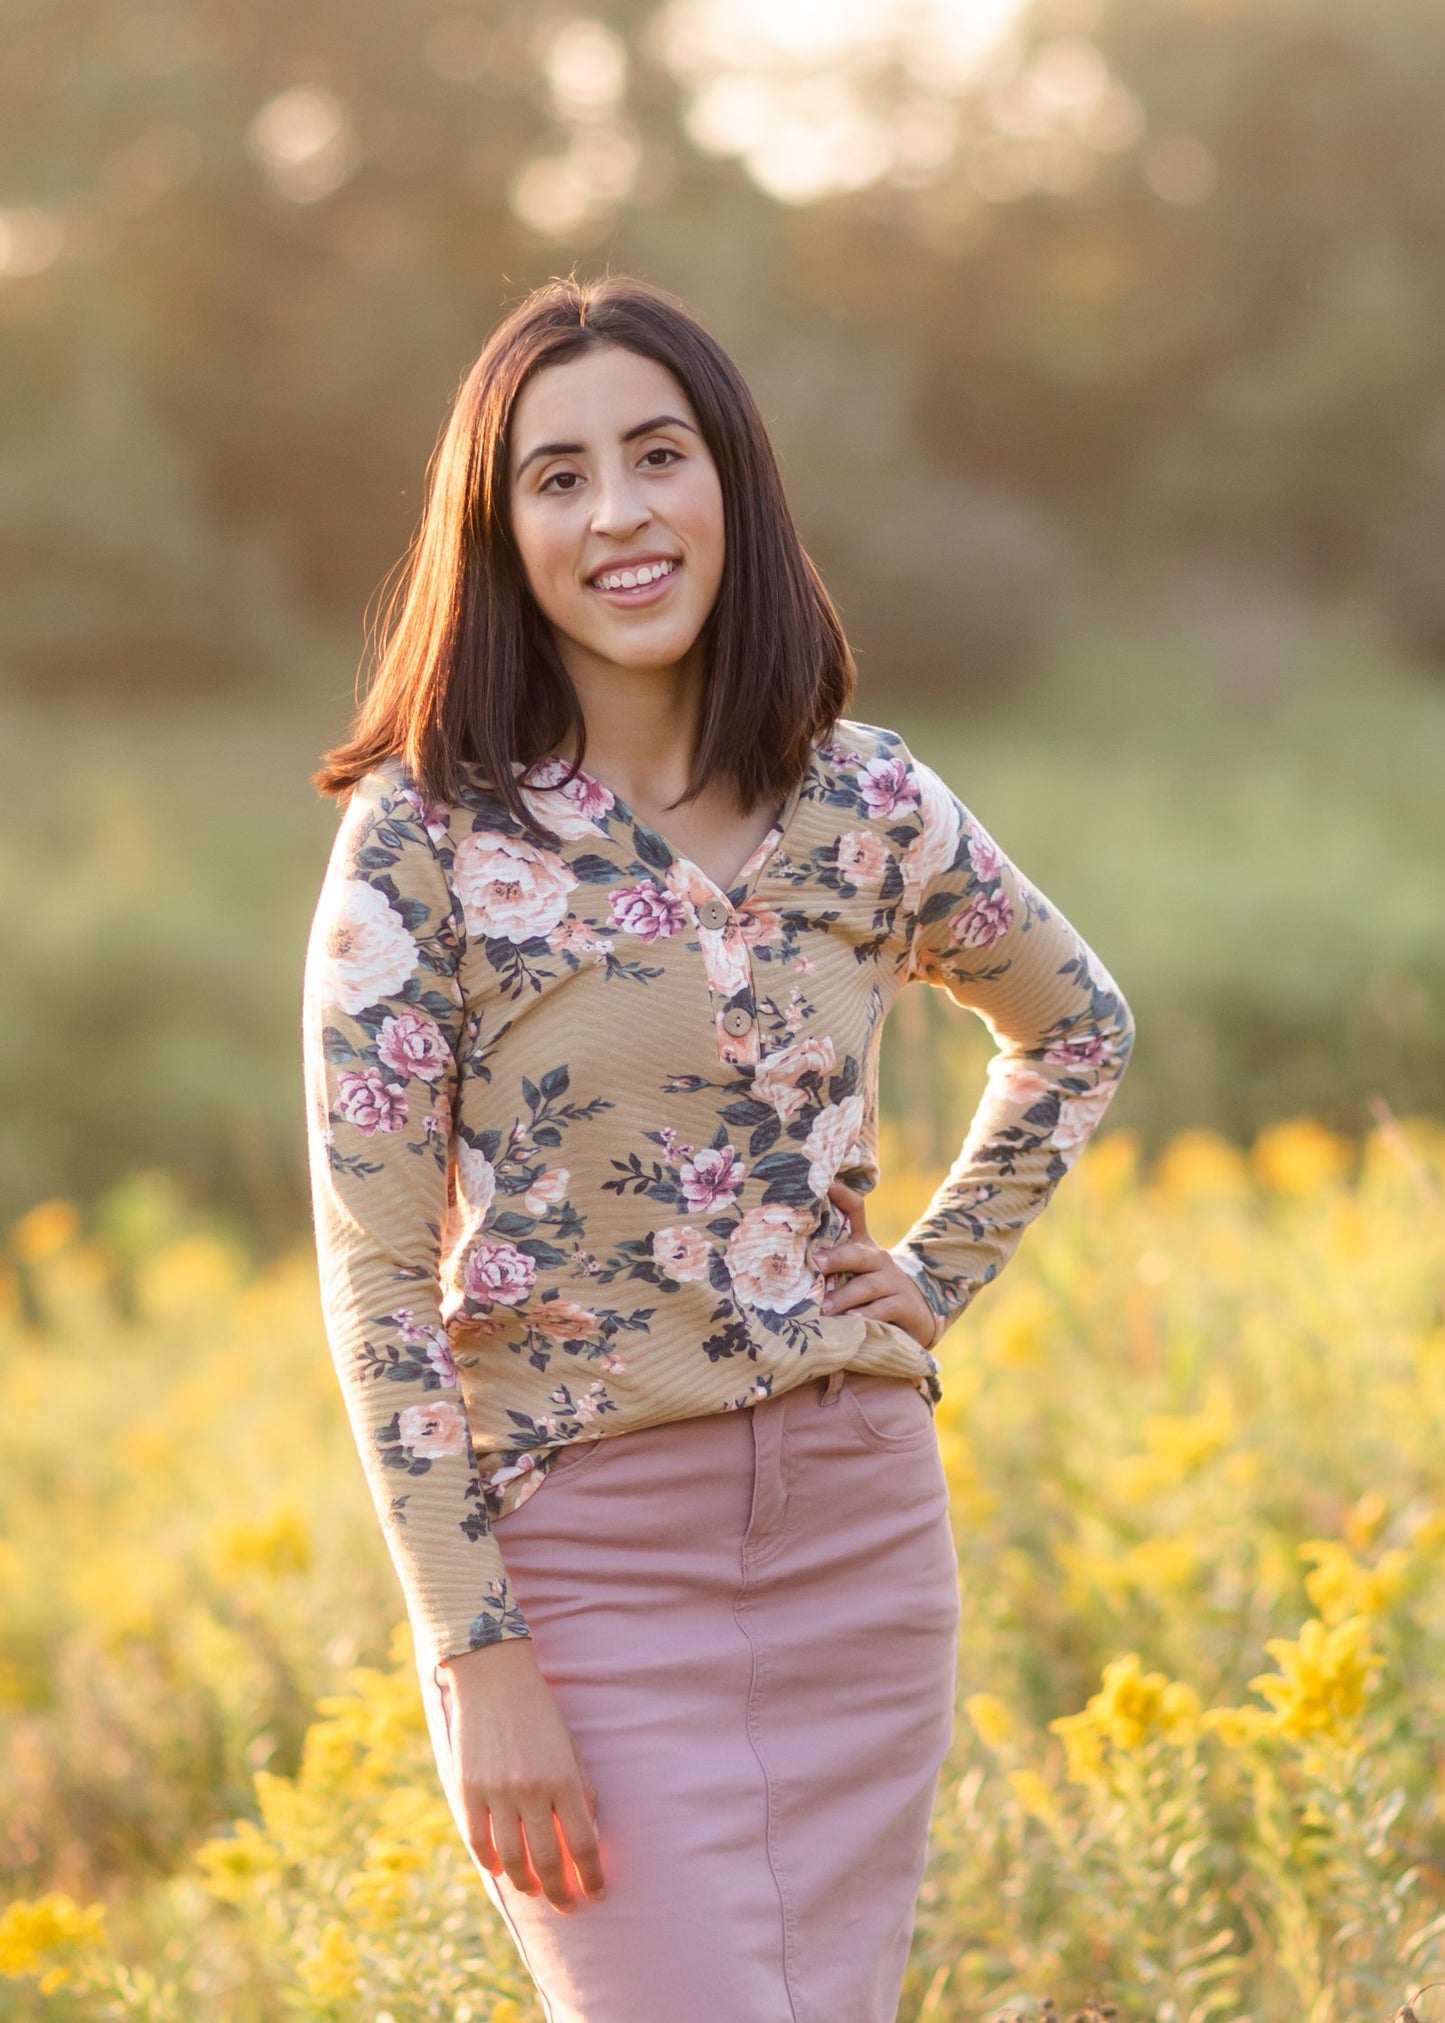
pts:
pixel 1103 343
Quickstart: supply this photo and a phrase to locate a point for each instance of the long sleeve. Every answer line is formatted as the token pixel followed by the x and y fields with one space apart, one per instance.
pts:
pixel 382 1030
pixel 980 931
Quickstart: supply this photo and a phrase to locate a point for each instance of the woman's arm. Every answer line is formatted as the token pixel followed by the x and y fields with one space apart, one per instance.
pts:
pixel 382 1031
pixel 980 931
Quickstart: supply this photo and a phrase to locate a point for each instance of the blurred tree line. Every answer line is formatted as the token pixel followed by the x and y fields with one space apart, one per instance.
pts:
pixel 1156 287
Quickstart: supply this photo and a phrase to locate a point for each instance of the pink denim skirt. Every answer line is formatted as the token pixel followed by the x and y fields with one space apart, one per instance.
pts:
pixel 750 1622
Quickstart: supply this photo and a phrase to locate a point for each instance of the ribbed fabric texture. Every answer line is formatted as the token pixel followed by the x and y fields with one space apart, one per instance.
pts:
pixel 573 1113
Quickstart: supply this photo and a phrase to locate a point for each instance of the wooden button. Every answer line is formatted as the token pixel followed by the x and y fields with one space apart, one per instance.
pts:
pixel 736 1021
pixel 714 913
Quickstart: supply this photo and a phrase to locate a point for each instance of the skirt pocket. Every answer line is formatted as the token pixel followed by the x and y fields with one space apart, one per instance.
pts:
pixel 888 1412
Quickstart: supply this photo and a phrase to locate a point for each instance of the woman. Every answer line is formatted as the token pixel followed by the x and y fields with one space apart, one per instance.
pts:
pixel 617 907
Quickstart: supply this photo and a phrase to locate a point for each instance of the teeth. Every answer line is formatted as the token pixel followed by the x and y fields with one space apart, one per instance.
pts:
pixel 629 579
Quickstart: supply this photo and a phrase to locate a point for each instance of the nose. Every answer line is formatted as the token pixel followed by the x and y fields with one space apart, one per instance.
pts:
pixel 619 506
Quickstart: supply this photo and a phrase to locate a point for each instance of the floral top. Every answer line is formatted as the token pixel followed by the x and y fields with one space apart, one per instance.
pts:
pixel 573 1114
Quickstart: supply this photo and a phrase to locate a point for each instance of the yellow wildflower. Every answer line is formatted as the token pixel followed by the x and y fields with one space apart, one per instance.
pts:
pixel 992 1720
pixel 48 1227
pixel 1020 1322
pixel 1083 1747
pixel 1340 1587
pixel 332 1974
pixel 1111 1165
pixel 1200 1165
pixel 1035 1796
pixel 1323 1678
pixel 1128 1704
pixel 233 1864
pixel 1238 1727
pixel 270 1546
pixel 1300 1157
pixel 48 1936
pixel 377 1893
pixel 1162 1562
pixel 1178 1444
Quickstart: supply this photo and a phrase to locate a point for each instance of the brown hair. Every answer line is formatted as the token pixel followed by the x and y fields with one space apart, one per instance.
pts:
pixel 468 673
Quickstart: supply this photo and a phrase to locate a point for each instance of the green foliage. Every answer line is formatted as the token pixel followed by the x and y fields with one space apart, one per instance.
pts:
pixel 1261 870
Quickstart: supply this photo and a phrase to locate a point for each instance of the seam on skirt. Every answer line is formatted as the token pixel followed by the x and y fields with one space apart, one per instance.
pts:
pixel 785 1908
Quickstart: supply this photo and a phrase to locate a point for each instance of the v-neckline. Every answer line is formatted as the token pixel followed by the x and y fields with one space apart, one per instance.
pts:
pixel 750 871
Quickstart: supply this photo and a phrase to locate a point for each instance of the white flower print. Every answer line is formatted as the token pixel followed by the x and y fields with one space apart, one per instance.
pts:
pixel 780 1074
pixel 767 1257
pixel 509 889
pixel 833 1136
pixel 369 951
pixel 477 1179
pixel 682 1254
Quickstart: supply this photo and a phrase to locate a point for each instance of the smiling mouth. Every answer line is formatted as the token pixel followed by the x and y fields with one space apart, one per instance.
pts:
pixel 639 585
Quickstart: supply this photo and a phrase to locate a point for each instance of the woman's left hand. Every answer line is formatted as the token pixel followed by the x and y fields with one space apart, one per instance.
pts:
pixel 875 1283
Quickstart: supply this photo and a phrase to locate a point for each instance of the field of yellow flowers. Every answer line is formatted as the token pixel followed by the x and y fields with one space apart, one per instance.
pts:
pixel 1196 1443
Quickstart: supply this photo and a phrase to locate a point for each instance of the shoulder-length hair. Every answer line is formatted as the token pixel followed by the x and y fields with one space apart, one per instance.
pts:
pixel 468 674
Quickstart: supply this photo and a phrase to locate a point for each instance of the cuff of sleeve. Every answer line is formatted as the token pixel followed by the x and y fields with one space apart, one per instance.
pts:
pixel 442 1637
pixel 943 1314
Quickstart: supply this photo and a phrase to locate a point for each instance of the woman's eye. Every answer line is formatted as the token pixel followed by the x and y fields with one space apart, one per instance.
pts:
pixel 548 482
pixel 662 450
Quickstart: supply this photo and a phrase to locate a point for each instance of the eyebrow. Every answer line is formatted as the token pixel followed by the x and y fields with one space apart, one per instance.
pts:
pixel 578 449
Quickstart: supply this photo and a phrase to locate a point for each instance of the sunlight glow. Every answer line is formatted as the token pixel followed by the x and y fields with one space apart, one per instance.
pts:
pixel 303 140
pixel 817 96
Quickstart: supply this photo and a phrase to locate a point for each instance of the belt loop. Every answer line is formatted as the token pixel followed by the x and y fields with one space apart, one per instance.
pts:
pixel 833 1386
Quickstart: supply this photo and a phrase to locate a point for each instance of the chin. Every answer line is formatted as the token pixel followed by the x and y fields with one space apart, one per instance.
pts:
pixel 660 650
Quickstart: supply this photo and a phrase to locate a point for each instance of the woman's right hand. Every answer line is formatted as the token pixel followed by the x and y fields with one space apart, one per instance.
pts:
pixel 520 1774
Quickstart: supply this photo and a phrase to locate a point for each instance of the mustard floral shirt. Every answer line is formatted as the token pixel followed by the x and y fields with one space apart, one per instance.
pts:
pixel 573 1114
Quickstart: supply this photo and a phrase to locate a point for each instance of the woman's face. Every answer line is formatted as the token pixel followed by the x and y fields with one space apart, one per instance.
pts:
pixel 610 477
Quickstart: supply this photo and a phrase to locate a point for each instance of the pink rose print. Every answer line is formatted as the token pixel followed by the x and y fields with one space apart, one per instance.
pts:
pixel 645 910
pixel 509 889
pixel 564 1319
pixel 431 814
pixel 413 1044
pixel 369 951
pixel 887 787
pixel 983 854
pixel 862 857
pixel 498 1273
pixel 767 1257
pixel 681 1254
pixel 570 811
pixel 432 1431
pixel 711 1178
pixel 724 950
pixel 1078 1119
pixel 367 1100
pixel 935 846
pixel 1018 1083
pixel 779 1074
pixel 759 925
pixel 574 937
pixel 833 1136
pixel 549 1187
pixel 980 924
pixel 438 1122
pixel 1086 1051
pixel 760 855
pixel 421 1335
